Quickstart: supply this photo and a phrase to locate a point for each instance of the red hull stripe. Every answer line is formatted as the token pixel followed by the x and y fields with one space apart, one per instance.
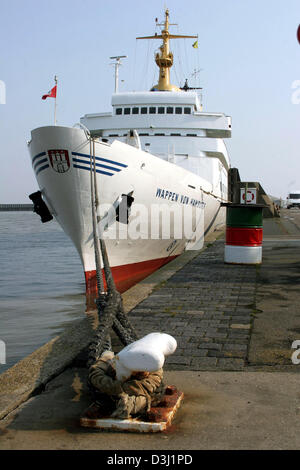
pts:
pixel 127 275
pixel 244 236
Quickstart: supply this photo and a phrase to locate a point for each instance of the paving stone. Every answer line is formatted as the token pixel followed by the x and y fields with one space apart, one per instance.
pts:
pixel 242 340
pixel 219 335
pixel 195 312
pixel 235 346
pixel 240 326
pixel 210 346
pixel 211 331
pixel 241 354
pixel 179 360
pixel 195 339
pixel 177 367
pixel 199 352
pixel 238 332
pixel 222 329
pixel 204 361
pixel 215 353
pixel 231 364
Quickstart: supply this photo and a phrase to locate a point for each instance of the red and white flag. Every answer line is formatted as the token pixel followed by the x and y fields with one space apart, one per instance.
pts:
pixel 51 93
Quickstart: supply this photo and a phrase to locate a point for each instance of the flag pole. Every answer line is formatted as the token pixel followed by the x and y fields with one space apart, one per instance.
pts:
pixel 55 79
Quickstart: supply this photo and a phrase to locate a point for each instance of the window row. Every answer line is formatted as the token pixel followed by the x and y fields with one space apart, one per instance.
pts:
pixel 154 110
pixel 141 134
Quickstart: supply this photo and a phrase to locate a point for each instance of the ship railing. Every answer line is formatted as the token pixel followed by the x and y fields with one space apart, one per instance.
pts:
pixel 84 128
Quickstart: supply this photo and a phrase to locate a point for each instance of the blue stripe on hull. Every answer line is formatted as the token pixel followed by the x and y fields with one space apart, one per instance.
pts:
pixel 37 156
pixel 44 160
pixel 42 168
pixel 88 169
pixel 97 164
pixel 99 159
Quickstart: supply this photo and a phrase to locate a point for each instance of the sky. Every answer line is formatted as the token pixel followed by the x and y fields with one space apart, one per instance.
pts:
pixel 248 56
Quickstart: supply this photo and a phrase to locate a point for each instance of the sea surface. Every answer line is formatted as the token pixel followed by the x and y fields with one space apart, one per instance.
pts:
pixel 42 285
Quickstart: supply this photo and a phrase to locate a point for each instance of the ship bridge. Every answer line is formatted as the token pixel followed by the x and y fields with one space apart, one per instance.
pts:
pixel 189 98
pixel 158 113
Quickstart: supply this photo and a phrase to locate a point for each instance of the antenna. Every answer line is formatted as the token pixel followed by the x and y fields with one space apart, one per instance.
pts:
pixel 196 73
pixel 117 64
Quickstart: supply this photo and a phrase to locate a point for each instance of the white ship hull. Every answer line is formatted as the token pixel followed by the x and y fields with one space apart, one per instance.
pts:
pixel 61 161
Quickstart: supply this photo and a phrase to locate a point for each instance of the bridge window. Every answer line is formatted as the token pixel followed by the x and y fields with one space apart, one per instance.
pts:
pixel 119 111
pixel 135 110
pixel 144 110
pixel 175 134
pixel 159 133
pixel 161 110
pixel 178 110
pixel 126 110
pixel 170 110
pixel 191 135
pixel 187 110
pixel 152 110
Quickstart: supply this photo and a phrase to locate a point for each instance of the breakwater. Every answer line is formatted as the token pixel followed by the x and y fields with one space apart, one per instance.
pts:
pixel 16 207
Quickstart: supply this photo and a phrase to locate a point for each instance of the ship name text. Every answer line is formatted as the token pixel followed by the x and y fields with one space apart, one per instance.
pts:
pixel 181 198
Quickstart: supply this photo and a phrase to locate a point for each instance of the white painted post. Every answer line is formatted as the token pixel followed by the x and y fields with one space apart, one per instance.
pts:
pixel 55 79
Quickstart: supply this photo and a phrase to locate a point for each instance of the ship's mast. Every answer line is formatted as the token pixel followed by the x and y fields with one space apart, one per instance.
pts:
pixel 117 64
pixel 164 58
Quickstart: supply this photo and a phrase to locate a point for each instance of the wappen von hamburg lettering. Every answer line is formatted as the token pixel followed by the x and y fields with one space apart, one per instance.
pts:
pixel 162 459
pixel 171 196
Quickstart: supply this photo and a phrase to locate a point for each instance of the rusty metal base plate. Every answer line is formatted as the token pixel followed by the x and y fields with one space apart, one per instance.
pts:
pixel 157 419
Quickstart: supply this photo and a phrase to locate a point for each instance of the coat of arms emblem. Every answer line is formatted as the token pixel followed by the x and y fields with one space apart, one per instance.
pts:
pixel 59 160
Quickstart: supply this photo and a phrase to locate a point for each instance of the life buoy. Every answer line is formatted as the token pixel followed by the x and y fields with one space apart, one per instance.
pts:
pixel 252 196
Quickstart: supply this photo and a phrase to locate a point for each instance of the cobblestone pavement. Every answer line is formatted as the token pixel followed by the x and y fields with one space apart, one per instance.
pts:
pixel 208 307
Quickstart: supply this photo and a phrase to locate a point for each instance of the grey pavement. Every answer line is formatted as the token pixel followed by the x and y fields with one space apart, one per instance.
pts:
pixel 221 410
pixel 207 306
pixel 234 325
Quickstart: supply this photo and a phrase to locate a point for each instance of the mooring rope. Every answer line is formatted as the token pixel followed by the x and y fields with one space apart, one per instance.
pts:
pixel 95 237
pixel 210 193
pixel 111 313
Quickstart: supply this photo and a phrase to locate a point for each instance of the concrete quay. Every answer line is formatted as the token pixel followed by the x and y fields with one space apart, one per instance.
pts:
pixel 235 326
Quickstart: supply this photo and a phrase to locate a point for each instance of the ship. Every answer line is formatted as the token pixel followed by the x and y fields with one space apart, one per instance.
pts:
pixel 157 153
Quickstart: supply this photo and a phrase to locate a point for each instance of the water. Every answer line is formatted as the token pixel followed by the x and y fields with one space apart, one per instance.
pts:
pixel 41 283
